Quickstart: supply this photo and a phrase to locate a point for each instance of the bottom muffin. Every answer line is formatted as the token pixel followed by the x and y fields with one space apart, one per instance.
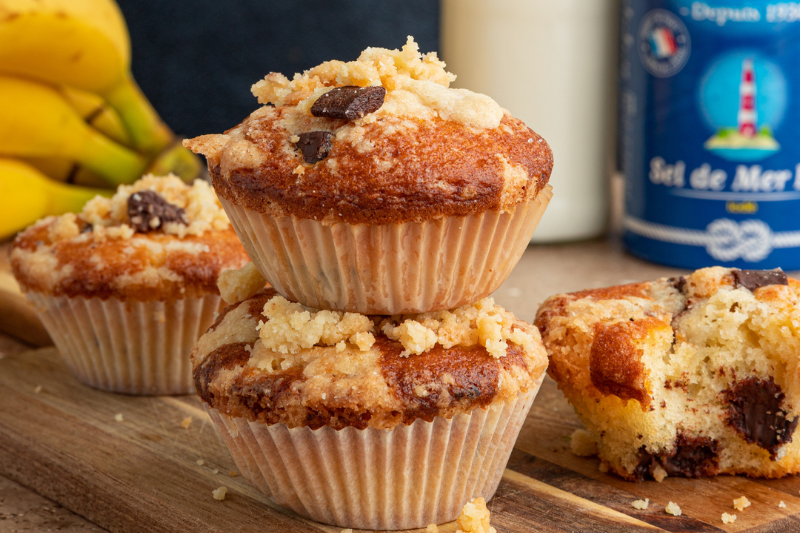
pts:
pixel 369 422
pixel 692 376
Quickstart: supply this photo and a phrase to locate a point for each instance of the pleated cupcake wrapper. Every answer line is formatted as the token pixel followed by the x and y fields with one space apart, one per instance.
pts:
pixel 128 347
pixel 391 268
pixel 387 479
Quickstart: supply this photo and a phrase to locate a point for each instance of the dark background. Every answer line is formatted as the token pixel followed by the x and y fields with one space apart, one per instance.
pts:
pixel 196 59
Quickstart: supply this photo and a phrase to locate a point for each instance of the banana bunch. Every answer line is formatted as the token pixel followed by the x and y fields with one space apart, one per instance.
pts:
pixel 73 122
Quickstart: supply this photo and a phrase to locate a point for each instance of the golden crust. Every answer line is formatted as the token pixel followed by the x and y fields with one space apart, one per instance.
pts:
pixel 377 387
pixel 153 266
pixel 394 170
pixel 665 374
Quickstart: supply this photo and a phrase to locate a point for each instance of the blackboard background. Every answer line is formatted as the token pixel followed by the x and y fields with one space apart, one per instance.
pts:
pixel 196 59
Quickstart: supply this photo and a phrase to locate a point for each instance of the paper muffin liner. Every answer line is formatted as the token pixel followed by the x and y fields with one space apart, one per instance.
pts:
pixel 392 268
pixel 387 479
pixel 129 347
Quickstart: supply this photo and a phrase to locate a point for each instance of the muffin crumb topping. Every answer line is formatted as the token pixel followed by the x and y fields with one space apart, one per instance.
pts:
pixel 236 285
pixel 474 518
pixel 292 327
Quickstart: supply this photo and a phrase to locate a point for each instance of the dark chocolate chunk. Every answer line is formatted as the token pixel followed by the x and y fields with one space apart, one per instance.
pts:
pixel 753 279
pixel 314 145
pixel 349 102
pixel 678 283
pixel 755 412
pixel 148 211
pixel 691 457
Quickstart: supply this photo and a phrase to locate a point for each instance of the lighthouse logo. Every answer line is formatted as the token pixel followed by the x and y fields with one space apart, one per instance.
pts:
pixel 743 98
pixel 664 43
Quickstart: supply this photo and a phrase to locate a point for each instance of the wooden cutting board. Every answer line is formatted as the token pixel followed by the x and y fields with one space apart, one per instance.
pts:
pixel 143 474
pixel 17 317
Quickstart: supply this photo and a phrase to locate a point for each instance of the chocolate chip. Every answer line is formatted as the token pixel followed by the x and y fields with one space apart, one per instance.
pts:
pixel 755 413
pixel 349 102
pixel 149 211
pixel 753 279
pixel 690 457
pixel 678 283
pixel 314 145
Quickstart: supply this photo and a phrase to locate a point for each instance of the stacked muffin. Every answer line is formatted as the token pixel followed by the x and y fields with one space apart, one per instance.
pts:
pixel 375 386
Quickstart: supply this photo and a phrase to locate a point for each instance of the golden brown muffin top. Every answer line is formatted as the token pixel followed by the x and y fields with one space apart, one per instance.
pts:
pixel 273 361
pixel 428 151
pixel 156 239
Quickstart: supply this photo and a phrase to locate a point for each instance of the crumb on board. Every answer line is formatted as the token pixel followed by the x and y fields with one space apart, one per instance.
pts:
pixel 659 474
pixel 118 417
pixel 582 444
pixel 186 422
pixel 219 493
pixel 728 518
pixel 215 471
pixel 200 462
pixel 38 389
pixel 740 504
pixel 233 473
pixel 432 528
pixel 474 518
pixel 673 509
pixel 641 504
pixel 782 505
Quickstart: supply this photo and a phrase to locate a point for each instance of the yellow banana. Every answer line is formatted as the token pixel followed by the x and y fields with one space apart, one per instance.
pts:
pixel 29 196
pixel 66 171
pixel 35 121
pixel 97 113
pixel 83 44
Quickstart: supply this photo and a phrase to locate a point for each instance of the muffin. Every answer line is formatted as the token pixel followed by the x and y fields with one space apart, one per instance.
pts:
pixel 365 421
pixel 372 187
pixel 692 376
pixel 127 286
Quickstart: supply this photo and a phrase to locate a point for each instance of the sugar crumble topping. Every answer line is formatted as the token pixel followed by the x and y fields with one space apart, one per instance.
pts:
pixel 237 285
pixel 416 84
pixel 291 327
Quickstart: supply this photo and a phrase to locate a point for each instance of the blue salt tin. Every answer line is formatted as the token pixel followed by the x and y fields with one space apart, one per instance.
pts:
pixel 709 132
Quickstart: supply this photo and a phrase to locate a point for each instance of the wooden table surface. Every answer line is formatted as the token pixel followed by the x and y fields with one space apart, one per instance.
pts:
pixel 543 270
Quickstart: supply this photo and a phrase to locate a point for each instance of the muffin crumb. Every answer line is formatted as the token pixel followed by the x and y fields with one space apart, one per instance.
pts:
pixel 233 473
pixel 740 504
pixel 582 444
pixel 659 474
pixel 432 528
pixel 118 417
pixel 239 285
pixel 782 505
pixel 200 462
pixel 186 422
pixel 474 518
pixel 641 504
pixel 220 493
pixel 728 518
pixel 38 389
pixel 673 509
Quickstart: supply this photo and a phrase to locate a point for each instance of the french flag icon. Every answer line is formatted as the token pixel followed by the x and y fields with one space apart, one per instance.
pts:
pixel 662 43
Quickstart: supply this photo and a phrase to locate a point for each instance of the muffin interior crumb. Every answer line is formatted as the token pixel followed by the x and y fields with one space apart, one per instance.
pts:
pixel 742 503
pixel 582 444
pixel 673 509
pixel 641 504
pixel 728 518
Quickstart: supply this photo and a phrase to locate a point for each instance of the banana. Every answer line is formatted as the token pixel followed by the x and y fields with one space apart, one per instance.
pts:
pixel 66 171
pixel 97 113
pixel 36 122
pixel 35 196
pixel 82 44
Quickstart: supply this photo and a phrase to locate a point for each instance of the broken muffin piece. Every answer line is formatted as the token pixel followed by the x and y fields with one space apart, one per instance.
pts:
pixel 688 377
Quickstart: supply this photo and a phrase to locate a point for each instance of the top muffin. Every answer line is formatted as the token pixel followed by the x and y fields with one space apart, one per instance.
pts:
pixel 156 239
pixel 379 140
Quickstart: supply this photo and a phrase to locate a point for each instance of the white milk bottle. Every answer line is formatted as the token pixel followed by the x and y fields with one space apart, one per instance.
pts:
pixel 551 64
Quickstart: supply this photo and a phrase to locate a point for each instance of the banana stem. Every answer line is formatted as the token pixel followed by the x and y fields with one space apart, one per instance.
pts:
pixel 148 131
pixel 114 163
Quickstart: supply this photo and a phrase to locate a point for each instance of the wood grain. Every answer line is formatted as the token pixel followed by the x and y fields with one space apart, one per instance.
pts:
pixel 142 474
